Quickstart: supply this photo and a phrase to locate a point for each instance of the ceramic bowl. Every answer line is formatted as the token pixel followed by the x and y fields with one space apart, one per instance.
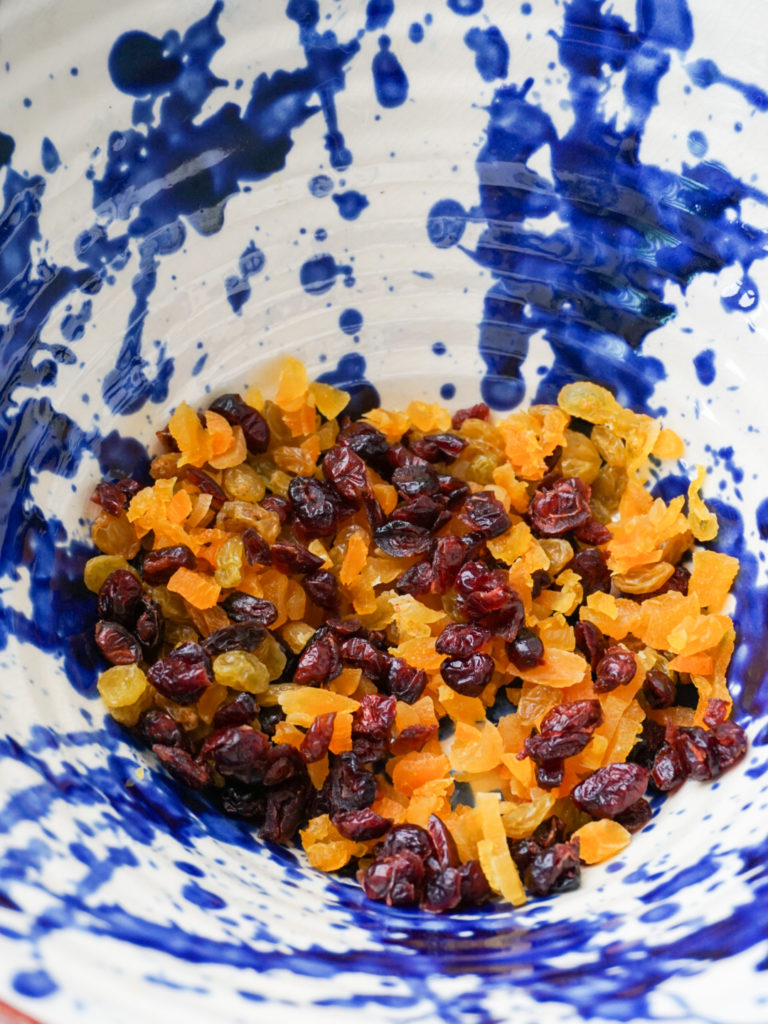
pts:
pixel 442 200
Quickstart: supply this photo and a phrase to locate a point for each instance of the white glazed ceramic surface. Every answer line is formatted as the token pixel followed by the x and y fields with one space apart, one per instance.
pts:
pixel 122 899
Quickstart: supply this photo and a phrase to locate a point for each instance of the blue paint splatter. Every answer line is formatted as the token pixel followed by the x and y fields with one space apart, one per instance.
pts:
pixel 351 321
pixel 350 204
pixel 194 893
pixel 237 286
pixel 378 13
pixel 447 392
pixel 389 80
pixel 49 156
pixel 416 32
pixel 761 517
pixel 491 52
pixel 318 274
pixel 704 365
pixel 465 7
pixel 446 222
pixel 321 185
pixel 697 144
pixel 34 984
pixel 705 73
pixel 438 347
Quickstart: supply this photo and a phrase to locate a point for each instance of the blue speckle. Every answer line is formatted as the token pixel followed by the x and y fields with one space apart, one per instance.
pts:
pixel 49 156
pixel 27 102
pixel 447 392
pixel 525 8
pixel 660 913
pixel 465 7
pixel 320 235
pixel 318 274
pixel 351 321
pixel 389 80
pixel 446 222
pixel 378 13
pixel 34 984
pixel 199 364
pixel 697 143
pixel 438 347
pixel 491 52
pixel 238 286
pixel 321 185
pixel 761 516
pixel 194 893
pixel 350 204
pixel 416 32
pixel 704 364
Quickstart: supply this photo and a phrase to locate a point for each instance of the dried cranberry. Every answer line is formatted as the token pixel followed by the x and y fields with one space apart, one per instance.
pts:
pixel 480 411
pixel 158 566
pixel 635 817
pixel 285 811
pixel 315 744
pixel 159 727
pixel 526 650
pixel 269 719
pixel 591 565
pixel 243 802
pixel 416 580
pixel 459 641
pixel 523 852
pixel 717 712
pixel 617 667
pixel 150 626
pixel 373 511
pixel 453 490
pixel 590 642
pixel 371 726
pixel 284 762
pixel 279 505
pixel 697 748
pixel 557 869
pixel 206 485
pixel 362 825
pixel 116 644
pixel 484 513
pixel 184 675
pixel 323 588
pixel 256 548
pixel 319 662
pixel 422 511
pixel 129 486
pixel 593 532
pixel 239 413
pixel 540 580
pixel 561 507
pixel 398 880
pixel 120 598
pixel 412 838
pixel 290 557
pixel 443 842
pixel 650 743
pixel 442 891
pixel 346 472
pixel 110 497
pixel 468 676
pixel 668 772
pixel 239 636
pixel 447 558
pixel 351 787
pixel 350 626
pixel 439 447
pixel 242 607
pixel 178 763
pixel 565 730
pixel 364 439
pixel 404 681
pixel 241 710
pixel 730 744
pixel 363 655
pixel 485 595
pixel 658 689
pixel 402 540
pixel 239 752
pixel 415 479
pixel 313 506
pixel 550 831
pixel 474 885
pixel 550 774
pixel 610 790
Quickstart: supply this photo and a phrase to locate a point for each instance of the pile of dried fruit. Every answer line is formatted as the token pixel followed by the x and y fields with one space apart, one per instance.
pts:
pixel 454 651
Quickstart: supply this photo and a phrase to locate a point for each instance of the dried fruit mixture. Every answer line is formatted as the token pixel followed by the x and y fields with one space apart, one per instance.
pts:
pixel 451 654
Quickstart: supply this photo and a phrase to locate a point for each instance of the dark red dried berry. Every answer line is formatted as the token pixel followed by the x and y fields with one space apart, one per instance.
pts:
pixel 323 588
pixel 256 549
pixel 523 852
pixel 414 479
pixel 346 472
pixel 540 580
pixel 158 566
pixel 279 505
pixel 557 869
pixel 439 447
pixel 240 636
pixel 412 838
pixel 178 763
pixel 372 725
pixel 617 667
pixel 565 730
pixel 362 825
pixel 650 743
pixel 129 486
pixel 422 511
pixel 416 580
pixel 285 762
pixel 150 626
pixel 561 507
pixel 315 744
pixel 254 426
pixel 314 507
pixel 241 710
pixel 402 540
pixel 590 642
pixel 158 727
pixel 397 880
pixel 290 557
pixel 550 831
pixel 319 662
pixel 243 802
pixel 206 485
pixel 120 598
pixel 485 596
pixel 669 771
pixel 286 809
pixel 593 532
pixel 717 712
pixel 362 654
pixel 591 565
pixel 730 744
pixel 184 675
pixel 239 752
pixel 241 607
pixel 468 676
pixel 443 842
pixel 447 558
pixel 403 680
pixel 484 513
pixel 526 650
pixel 116 644
pixel 635 817
pixel 475 889
pixel 697 748
pixel 550 774
pixel 364 439
pixel 269 718
pixel 658 689
pixel 610 790
pixel 480 411
pixel 459 641
pixel 453 490
pixel 442 891
pixel 110 497
pixel 351 787
pixel 412 737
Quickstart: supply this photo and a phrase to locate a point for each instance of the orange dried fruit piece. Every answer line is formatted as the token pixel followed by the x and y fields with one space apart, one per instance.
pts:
pixel 293 386
pixel 413 770
pixel 200 590
pixel 355 556
pixel 475 749
pixel 559 669
pixel 330 401
pixel 302 704
pixel 712 576
pixel 493 851
pixel 190 435
pixel 703 523
pixel 521 820
pixel 601 840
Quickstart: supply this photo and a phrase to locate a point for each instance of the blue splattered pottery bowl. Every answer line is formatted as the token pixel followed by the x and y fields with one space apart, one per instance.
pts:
pixel 439 199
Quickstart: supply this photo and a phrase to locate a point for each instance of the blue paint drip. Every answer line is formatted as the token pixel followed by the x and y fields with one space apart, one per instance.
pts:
pixel 761 517
pixel 321 185
pixel 49 156
pixel 237 286
pixel 465 7
pixel 389 80
pixel 351 321
pixel 705 73
pixel 704 365
pixel 416 32
pixel 34 984
pixel 599 283
pixel 491 52
pixel 318 274
pixel 446 222
pixel 350 204
pixel 378 13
